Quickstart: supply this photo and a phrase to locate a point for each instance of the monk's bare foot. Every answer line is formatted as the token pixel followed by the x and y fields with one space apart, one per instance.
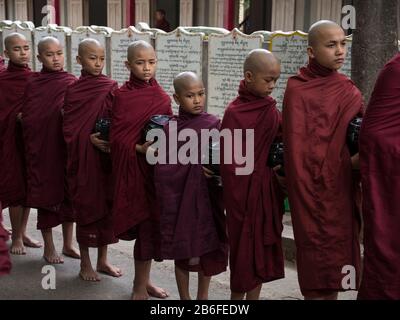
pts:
pixel 17 247
pixel 31 243
pixel 157 292
pixel 52 257
pixel 140 294
pixel 71 253
pixel 88 274
pixel 109 270
pixel 7 229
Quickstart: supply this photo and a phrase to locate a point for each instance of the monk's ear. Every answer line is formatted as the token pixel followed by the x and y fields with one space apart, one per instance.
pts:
pixel 79 60
pixel 128 65
pixel 6 54
pixel 248 76
pixel 39 58
pixel 310 52
pixel 176 98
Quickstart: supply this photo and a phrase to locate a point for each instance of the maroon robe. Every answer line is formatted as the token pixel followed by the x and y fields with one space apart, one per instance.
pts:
pixel 319 104
pixel 2 64
pixel 192 223
pixel 45 147
pixel 135 211
pixel 5 262
pixel 254 208
pixel 12 181
pixel 89 169
pixel 380 171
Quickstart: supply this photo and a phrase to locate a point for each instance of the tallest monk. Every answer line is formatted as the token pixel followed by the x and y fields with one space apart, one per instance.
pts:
pixel 13 81
pixel 380 171
pixel 318 106
pixel 135 211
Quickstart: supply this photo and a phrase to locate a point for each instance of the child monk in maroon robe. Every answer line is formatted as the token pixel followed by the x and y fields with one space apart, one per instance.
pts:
pixel 319 104
pixel 192 223
pixel 5 263
pixel 380 171
pixel 89 163
pixel 13 81
pixel 135 211
pixel 45 149
pixel 254 207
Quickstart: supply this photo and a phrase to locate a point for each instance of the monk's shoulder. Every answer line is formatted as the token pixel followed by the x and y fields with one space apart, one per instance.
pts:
pixel 211 119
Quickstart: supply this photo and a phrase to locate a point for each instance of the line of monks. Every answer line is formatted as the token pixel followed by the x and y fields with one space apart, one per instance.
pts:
pixel 52 159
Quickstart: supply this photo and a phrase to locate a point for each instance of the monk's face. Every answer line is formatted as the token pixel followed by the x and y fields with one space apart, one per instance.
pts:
pixel 18 51
pixel 330 48
pixel 143 64
pixel 92 60
pixel 192 97
pixel 52 56
pixel 263 82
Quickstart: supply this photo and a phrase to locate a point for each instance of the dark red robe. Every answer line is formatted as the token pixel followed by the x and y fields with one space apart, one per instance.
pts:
pixel 45 147
pixel 5 262
pixel 192 223
pixel 135 211
pixel 253 206
pixel 2 64
pixel 380 171
pixel 318 106
pixel 12 181
pixel 89 169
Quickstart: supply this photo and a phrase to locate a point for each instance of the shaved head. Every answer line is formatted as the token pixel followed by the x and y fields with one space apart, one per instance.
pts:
pixel 42 45
pixel 88 44
pixel 185 80
pixel 258 60
pixel 137 46
pixel 9 40
pixel 318 28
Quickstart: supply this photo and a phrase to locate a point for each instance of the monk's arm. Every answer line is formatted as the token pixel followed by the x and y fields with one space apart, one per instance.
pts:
pixel 100 144
pixel 355 162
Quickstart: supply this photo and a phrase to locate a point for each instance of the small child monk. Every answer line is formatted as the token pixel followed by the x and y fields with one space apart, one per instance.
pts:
pixel 45 149
pixel 192 219
pixel 318 107
pixel 254 203
pixel 13 81
pixel 135 211
pixel 89 163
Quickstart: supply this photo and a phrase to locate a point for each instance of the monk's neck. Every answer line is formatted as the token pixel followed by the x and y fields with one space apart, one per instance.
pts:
pixel 319 70
pixel 47 70
pixel 14 66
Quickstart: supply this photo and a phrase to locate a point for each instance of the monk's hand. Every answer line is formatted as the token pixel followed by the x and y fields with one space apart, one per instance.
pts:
pixel 208 173
pixel 355 162
pixel 19 117
pixel 142 148
pixel 100 144
pixel 281 179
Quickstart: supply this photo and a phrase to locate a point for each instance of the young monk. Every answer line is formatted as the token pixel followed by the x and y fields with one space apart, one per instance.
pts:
pixel 12 179
pixel 135 211
pixel 89 164
pixel 254 208
pixel 192 222
pixel 45 149
pixel 379 164
pixel 319 104
pixel 5 263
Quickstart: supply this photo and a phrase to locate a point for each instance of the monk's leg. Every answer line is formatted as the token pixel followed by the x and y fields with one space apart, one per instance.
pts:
pixel 142 278
pixel 237 295
pixel 322 295
pixel 28 241
pixel 203 286
pixel 87 272
pixel 104 266
pixel 17 245
pixel 254 294
pixel 182 281
pixel 68 249
pixel 50 253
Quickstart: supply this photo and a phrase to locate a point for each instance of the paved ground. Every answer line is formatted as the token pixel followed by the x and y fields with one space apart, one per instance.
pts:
pixel 26 278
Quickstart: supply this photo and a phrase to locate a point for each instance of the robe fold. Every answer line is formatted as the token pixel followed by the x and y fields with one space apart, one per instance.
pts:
pixel 254 205
pixel 12 169
pixel 88 168
pixel 2 64
pixel 318 106
pixel 5 262
pixel 45 149
pixel 192 222
pixel 380 172
pixel 135 211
